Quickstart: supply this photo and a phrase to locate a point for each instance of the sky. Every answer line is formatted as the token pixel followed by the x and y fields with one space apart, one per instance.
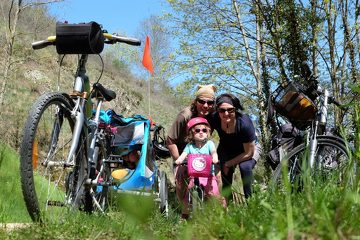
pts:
pixel 123 16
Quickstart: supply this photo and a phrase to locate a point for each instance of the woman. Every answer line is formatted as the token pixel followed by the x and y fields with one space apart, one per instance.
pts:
pixel 237 142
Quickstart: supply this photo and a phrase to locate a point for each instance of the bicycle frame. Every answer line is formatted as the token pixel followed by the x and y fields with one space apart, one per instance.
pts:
pixel 318 126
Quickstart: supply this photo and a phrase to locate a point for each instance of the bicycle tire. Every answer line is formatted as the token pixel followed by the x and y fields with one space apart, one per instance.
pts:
pixel 332 160
pixel 47 184
pixel 196 198
pixel 164 194
pixel 101 191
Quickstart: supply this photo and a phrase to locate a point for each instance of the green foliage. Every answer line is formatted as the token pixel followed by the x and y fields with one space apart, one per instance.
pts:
pixel 322 211
pixel 12 207
pixel 120 65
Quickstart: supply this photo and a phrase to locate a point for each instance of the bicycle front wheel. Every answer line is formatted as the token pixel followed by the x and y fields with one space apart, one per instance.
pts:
pixel 49 183
pixel 332 164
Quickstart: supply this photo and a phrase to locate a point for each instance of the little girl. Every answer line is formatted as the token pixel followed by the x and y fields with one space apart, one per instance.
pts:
pixel 198 143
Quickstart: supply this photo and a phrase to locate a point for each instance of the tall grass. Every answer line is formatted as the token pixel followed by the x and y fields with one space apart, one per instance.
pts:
pixel 322 210
pixel 12 206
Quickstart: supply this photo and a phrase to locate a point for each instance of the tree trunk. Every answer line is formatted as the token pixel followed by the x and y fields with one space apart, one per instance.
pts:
pixel 10 39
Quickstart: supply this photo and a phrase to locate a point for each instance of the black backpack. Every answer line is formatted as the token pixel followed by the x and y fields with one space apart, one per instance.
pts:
pixel 286 139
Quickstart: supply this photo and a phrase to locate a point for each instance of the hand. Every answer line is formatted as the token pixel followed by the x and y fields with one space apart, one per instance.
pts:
pixel 178 162
pixel 225 169
pixel 227 164
pixel 215 161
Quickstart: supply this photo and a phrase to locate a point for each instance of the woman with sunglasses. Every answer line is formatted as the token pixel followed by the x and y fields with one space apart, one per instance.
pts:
pixel 237 143
pixel 202 106
pixel 198 143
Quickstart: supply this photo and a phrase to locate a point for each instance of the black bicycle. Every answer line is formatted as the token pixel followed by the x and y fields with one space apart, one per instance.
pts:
pixel 312 146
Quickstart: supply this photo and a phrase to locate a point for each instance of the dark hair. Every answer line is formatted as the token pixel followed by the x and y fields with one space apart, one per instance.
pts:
pixel 229 98
pixel 193 108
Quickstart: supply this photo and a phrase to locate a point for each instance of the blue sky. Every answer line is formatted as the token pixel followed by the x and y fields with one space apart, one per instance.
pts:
pixel 114 15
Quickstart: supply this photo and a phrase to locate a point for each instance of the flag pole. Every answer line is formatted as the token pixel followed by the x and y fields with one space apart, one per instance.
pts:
pixel 147 62
pixel 149 93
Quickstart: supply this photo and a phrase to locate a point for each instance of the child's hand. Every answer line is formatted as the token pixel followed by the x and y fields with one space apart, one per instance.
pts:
pixel 178 162
pixel 215 161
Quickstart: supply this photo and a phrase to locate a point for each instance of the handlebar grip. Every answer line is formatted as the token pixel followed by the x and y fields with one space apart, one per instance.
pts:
pixel 44 43
pixel 115 38
pixel 40 44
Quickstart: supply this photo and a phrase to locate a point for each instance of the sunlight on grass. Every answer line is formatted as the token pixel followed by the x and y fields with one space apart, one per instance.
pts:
pixel 12 207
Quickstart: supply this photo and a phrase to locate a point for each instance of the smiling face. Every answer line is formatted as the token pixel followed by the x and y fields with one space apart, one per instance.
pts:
pixel 204 106
pixel 226 112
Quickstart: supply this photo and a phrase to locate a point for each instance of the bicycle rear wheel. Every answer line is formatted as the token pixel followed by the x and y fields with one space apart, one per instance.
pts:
pixel 332 164
pixel 48 183
pixel 100 193
pixel 164 194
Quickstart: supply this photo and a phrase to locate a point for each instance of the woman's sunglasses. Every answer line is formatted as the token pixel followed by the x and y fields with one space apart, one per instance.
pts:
pixel 203 102
pixel 197 130
pixel 223 110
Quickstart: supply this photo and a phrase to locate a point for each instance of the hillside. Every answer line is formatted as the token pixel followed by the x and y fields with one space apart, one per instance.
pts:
pixel 35 72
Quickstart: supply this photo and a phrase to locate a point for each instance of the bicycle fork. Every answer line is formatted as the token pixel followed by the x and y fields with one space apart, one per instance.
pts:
pixel 320 123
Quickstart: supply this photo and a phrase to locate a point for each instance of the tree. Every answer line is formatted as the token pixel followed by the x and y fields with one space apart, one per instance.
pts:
pixel 11 13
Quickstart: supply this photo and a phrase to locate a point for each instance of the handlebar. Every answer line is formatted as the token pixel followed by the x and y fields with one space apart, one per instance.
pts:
pixel 44 43
pixel 110 39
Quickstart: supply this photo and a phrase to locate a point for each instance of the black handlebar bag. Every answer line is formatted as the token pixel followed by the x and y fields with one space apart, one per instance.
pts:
pixel 82 38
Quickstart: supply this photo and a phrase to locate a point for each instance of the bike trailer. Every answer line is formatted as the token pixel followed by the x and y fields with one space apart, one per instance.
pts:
pixel 131 134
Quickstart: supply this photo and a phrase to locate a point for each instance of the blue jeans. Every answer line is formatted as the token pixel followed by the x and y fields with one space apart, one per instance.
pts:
pixel 247 178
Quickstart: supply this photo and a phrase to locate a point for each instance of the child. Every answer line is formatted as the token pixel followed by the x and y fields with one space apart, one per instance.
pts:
pixel 131 159
pixel 198 143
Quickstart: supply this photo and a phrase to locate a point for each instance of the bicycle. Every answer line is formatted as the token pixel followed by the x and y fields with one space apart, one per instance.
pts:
pixel 63 144
pixel 201 182
pixel 327 156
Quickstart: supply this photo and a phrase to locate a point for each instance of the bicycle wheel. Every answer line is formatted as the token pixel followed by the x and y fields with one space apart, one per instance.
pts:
pixel 163 194
pixel 100 193
pixel 332 163
pixel 48 184
pixel 196 195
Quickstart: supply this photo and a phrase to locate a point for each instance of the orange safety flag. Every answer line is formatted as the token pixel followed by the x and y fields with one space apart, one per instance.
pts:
pixel 147 62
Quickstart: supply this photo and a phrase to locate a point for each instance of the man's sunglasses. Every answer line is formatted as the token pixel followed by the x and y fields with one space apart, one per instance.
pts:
pixel 223 110
pixel 197 130
pixel 203 102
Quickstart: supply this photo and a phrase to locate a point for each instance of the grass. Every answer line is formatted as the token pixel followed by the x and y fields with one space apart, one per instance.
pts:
pixel 12 207
pixel 322 211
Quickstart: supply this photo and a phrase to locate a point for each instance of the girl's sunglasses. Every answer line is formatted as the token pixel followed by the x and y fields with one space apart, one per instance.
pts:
pixel 223 110
pixel 203 102
pixel 197 130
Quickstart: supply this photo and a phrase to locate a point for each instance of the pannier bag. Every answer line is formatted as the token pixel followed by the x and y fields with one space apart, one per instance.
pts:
pixel 81 38
pixel 199 165
pixel 287 138
pixel 292 103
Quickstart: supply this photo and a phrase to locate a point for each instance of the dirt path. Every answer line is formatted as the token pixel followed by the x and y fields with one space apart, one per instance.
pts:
pixel 12 226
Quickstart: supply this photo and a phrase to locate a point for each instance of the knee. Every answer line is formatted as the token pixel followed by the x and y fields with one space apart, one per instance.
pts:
pixel 247 166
